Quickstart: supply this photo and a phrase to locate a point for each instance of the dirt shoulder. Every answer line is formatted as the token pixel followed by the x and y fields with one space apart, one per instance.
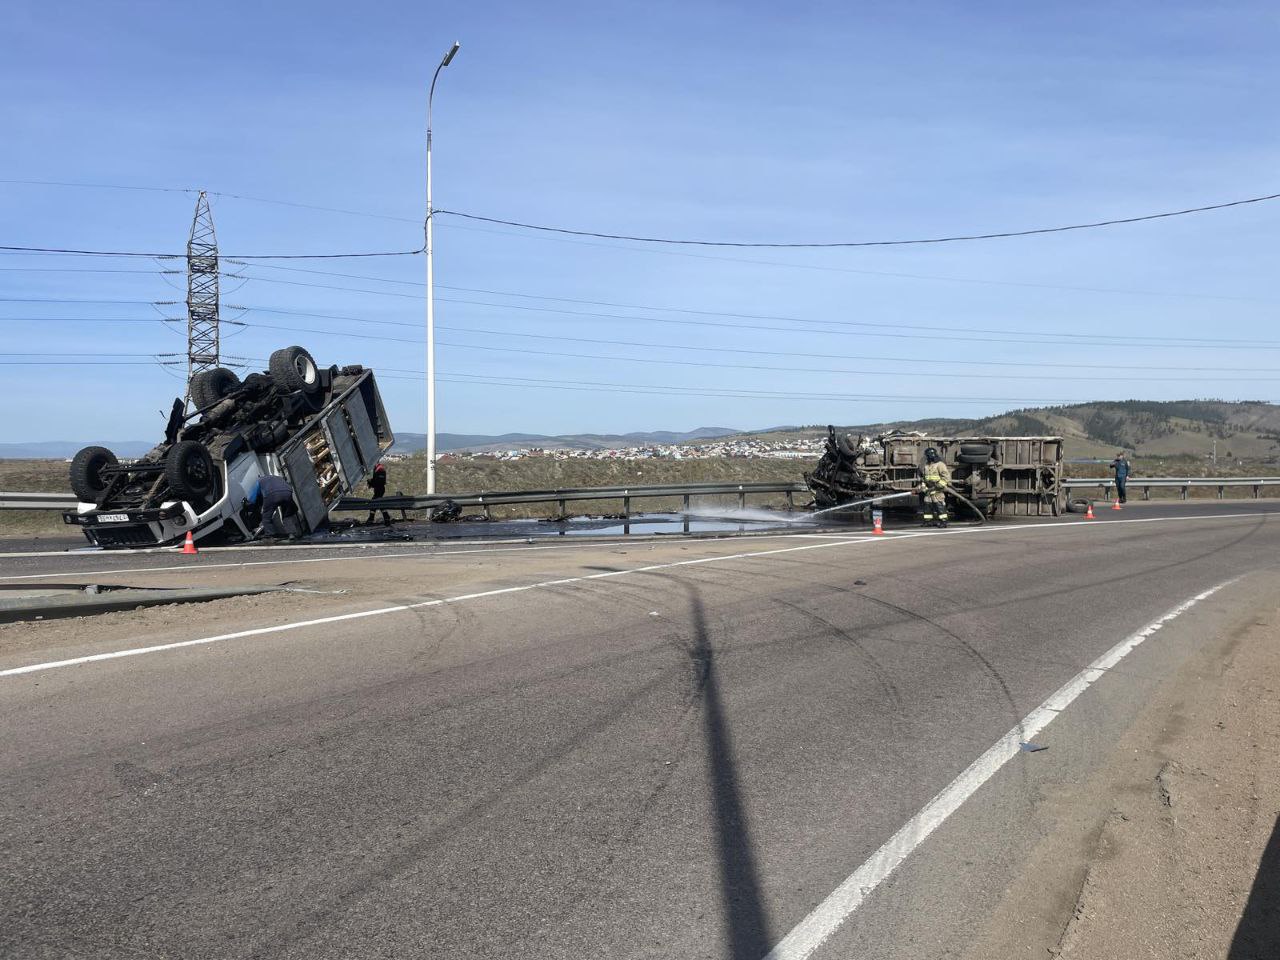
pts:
pixel 1172 850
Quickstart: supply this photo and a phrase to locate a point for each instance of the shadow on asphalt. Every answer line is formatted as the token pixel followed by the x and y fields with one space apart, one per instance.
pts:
pixel 745 918
pixel 1258 935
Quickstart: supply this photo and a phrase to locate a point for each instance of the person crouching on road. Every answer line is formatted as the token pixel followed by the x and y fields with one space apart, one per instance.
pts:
pixel 276 497
pixel 1120 466
pixel 378 484
pixel 935 478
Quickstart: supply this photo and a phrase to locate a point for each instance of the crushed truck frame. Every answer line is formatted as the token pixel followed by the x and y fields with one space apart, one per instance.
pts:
pixel 322 430
pixel 1001 476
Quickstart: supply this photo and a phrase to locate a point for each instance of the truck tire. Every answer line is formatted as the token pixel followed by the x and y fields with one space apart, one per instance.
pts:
pixel 974 459
pixel 189 471
pixel 1078 504
pixel 975 449
pixel 86 473
pixel 210 386
pixel 293 369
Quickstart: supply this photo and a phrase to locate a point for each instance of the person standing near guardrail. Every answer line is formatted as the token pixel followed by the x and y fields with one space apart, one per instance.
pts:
pixel 1120 466
pixel 378 484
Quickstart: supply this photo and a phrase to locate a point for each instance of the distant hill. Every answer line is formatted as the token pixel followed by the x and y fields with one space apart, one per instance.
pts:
pixel 1248 430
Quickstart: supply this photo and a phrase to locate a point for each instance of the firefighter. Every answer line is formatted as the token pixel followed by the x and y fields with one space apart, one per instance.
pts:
pixel 378 484
pixel 935 478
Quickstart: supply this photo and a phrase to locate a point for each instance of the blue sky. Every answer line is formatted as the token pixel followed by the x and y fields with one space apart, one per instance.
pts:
pixel 745 121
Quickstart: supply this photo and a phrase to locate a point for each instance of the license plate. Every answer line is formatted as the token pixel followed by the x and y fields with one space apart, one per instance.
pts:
pixel 113 518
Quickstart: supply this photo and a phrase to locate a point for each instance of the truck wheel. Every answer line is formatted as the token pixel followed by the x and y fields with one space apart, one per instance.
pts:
pixel 86 473
pixel 210 386
pixel 189 471
pixel 974 459
pixel 292 368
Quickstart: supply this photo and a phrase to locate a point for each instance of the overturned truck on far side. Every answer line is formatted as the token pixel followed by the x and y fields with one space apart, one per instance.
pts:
pixel 322 429
pixel 999 476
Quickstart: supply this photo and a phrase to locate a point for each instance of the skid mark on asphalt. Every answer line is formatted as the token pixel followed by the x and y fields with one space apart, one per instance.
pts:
pixel 816 928
pixel 883 678
pixel 406 858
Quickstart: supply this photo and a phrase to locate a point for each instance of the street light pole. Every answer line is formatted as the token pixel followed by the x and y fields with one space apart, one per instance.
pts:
pixel 431 297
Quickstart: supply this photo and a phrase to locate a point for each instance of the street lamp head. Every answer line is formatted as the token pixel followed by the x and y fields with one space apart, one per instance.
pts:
pixel 448 57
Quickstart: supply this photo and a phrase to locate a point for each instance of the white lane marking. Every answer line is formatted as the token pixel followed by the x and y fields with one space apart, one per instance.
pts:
pixel 1031 527
pixel 438 552
pixel 446 552
pixel 811 932
pixel 380 611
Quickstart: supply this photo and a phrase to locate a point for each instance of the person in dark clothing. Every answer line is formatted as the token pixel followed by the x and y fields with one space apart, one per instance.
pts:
pixel 1120 466
pixel 274 496
pixel 378 484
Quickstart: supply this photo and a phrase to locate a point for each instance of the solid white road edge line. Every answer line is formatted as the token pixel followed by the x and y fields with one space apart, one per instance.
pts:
pixel 437 553
pixel 338 618
pixel 380 611
pixel 811 932
pixel 444 551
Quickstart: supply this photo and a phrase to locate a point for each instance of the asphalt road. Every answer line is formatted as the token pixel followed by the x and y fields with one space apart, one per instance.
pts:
pixel 638 749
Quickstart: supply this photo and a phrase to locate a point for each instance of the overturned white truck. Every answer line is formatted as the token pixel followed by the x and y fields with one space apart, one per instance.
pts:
pixel 323 430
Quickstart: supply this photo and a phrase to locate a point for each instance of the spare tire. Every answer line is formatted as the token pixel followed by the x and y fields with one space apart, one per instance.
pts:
pixel 210 386
pixel 86 473
pixel 973 458
pixel 1078 504
pixel 189 471
pixel 975 449
pixel 292 369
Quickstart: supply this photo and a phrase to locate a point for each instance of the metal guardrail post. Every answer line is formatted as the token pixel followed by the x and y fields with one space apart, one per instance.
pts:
pixel 1257 490
pixel 562 506
pixel 626 507
pixel 791 501
pixel 1186 488
pixel 686 510
pixel 742 499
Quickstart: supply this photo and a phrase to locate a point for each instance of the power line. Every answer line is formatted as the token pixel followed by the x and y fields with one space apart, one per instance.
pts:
pixel 1205 208
pixel 239 256
pixel 861 243
pixel 1081 339
pixel 962 334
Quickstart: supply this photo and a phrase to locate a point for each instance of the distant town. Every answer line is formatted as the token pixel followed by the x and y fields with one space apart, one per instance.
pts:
pixel 798 448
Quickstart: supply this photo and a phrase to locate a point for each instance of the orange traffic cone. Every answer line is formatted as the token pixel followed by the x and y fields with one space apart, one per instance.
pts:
pixel 1115 505
pixel 1088 514
pixel 876 527
pixel 190 545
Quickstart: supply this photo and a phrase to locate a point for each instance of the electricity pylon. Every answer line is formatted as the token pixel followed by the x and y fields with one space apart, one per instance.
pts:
pixel 202 293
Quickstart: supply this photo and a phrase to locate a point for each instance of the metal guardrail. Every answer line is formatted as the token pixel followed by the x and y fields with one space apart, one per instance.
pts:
pixel 1182 484
pixel 564 496
pixel 37 501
